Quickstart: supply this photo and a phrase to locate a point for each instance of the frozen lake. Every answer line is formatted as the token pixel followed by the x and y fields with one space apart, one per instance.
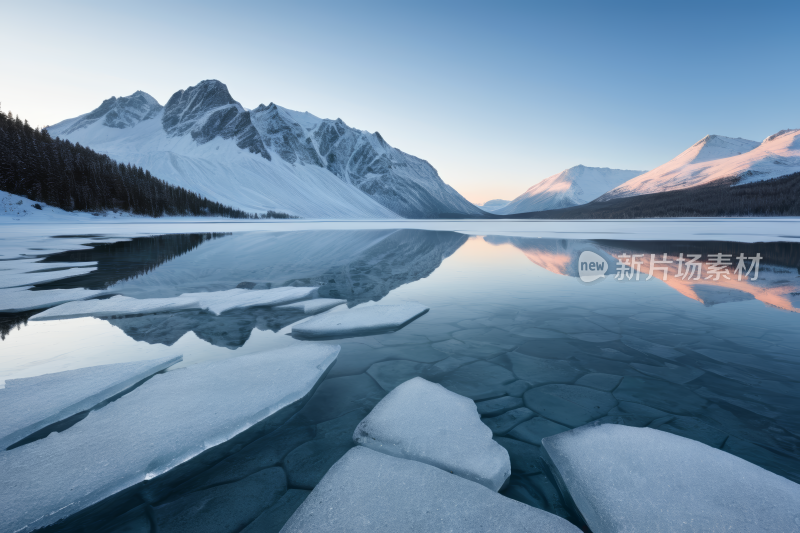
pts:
pixel 711 354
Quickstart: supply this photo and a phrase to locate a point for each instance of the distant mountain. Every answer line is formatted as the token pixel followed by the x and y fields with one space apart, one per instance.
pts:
pixel 574 186
pixel 493 205
pixel 715 158
pixel 268 158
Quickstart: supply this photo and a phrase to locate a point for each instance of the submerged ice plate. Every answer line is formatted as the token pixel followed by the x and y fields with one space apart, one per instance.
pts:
pixel 30 404
pixel 624 478
pixel 157 426
pixel 367 491
pixel 425 422
pixel 361 320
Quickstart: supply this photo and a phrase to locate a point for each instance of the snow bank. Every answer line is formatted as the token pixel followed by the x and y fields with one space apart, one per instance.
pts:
pixel 366 491
pixel 425 422
pixel 623 478
pixel 157 426
pixel 21 299
pixel 30 404
pixel 314 307
pixel 217 302
pixel 362 320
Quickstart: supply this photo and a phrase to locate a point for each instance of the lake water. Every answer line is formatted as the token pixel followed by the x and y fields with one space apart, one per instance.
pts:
pixel 716 360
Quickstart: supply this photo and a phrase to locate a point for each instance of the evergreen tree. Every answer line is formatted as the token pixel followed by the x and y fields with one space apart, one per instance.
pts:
pixel 76 178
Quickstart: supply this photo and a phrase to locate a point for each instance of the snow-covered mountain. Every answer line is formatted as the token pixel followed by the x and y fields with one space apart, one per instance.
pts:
pixel 265 158
pixel 574 186
pixel 715 157
pixel 493 205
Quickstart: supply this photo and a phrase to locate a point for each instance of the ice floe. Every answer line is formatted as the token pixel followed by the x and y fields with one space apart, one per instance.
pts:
pixel 623 478
pixel 20 299
pixel 162 423
pixel 314 307
pixel 425 422
pixel 362 320
pixel 116 305
pixel 30 404
pixel 367 491
pixel 18 279
pixel 217 302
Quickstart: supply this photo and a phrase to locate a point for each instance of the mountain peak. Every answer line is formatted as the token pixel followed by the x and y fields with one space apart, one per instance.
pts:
pixel 186 106
pixel 123 112
pixel 776 135
pixel 712 147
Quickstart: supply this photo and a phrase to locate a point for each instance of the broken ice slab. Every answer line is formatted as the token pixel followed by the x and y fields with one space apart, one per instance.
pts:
pixel 116 305
pixel 31 404
pixel 314 307
pixel 622 478
pixel 164 422
pixel 425 422
pixel 217 302
pixel 21 299
pixel 367 491
pixel 16 278
pixel 362 320
pixel 220 301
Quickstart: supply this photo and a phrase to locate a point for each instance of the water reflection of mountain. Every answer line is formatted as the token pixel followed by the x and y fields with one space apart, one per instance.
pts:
pixel 354 265
pixel 126 260
pixel 119 261
pixel 778 283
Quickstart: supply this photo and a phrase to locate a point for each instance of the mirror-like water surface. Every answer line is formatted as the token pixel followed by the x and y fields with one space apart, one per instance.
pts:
pixel 713 357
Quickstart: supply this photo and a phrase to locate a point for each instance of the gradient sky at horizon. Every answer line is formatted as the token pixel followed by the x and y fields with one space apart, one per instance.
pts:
pixel 497 96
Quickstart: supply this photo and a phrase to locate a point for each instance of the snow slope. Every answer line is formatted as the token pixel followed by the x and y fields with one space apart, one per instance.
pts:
pixel 265 158
pixel 574 186
pixel 716 157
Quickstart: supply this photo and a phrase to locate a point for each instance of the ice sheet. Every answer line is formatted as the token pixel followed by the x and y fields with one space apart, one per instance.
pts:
pixel 220 301
pixel 30 404
pixel 366 491
pixel 217 302
pixel 18 279
pixel 314 307
pixel 116 305
pixel 425 422
pixel 157 426
pixel 624 478
pixel 19 299
pixel 362 320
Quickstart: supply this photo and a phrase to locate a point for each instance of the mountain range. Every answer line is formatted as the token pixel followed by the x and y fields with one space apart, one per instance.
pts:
pixel 575 186
pixel 714 158
pixel 267 158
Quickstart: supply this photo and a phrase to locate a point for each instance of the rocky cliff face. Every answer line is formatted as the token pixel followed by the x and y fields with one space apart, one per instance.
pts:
pixel 401 183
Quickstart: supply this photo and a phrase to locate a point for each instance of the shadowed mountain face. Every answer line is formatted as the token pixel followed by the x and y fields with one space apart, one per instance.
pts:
pixel 300 157
pixel 777 285
pixel 357 266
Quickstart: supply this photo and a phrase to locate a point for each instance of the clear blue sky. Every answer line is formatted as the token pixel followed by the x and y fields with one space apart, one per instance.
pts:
pixel 496 95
